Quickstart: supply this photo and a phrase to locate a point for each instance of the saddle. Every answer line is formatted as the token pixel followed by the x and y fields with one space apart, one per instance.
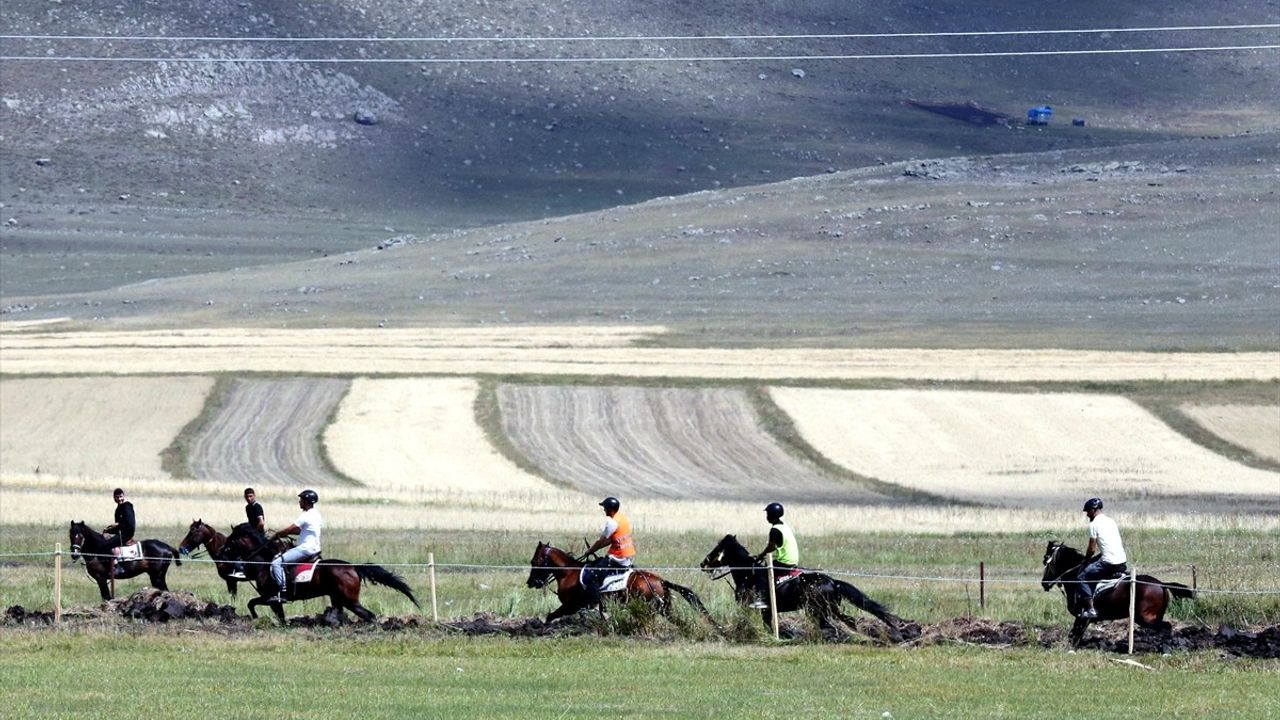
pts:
pixel 302 572
pixel 786 574
pixel 1106 584
pixel 129 551
pixel 615 582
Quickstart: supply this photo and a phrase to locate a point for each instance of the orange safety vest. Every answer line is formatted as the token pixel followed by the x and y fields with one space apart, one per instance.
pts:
pixel 620 545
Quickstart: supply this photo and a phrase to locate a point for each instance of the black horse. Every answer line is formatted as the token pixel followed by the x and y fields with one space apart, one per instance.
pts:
pixel 95 548
pixel 202 533
pixel 817 593
pixel 338 579
pixel 1062 566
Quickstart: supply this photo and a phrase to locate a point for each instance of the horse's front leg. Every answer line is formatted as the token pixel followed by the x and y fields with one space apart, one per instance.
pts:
pixel 253 607
pixel 1077 631
pixel 103 584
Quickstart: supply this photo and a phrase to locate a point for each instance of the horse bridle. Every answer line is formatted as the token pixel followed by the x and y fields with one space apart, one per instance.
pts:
pixel 716 572
pixel 546 571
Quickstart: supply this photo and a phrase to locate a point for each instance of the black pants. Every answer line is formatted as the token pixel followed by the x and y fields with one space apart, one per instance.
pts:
pixel 1095 571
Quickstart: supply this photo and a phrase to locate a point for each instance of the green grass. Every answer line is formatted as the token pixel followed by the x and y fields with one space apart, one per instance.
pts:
pixel 306 674
pixel 1230 561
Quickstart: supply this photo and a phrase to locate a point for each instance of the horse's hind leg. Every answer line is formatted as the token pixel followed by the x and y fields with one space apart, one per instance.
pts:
pixel 158 578
pixel 1077 631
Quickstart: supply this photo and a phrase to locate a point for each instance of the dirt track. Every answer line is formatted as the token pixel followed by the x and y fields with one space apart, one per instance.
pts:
pixel 166 608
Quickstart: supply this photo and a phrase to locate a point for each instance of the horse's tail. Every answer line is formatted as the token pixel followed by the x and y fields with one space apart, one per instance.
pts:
pixel 690 596
pixel 856 596
pixel 379 575
pixel 177 556
pixel 1178 590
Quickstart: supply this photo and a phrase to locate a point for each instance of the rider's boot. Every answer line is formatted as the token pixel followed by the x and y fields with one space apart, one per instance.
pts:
pixel 1088 612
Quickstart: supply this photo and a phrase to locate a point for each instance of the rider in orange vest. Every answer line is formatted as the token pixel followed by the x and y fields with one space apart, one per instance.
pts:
pixel 622 550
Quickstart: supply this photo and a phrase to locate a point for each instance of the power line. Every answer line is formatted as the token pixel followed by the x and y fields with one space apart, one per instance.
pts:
pixel 641 38
pixel 633 59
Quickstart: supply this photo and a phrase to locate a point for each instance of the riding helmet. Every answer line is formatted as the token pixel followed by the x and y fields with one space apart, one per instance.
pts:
pixel 773 510
pixel 610 504
pixel 310 496
pixel 1093 504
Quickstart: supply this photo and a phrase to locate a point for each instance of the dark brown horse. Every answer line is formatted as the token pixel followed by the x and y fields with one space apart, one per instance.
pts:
pixel 549 562
pixel 203 534
pixel 338 579
pixel 95 548
pixel 817 593
pixel 1062 566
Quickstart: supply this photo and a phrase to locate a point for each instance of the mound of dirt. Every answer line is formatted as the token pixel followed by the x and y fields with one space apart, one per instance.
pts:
pixel 974 631
pixel 489 624
pixel 18 615
pixel 152 605
pixel 1232 642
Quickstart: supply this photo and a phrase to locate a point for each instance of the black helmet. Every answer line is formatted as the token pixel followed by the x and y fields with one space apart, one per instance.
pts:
pixel 773 510
pixel 610 504
pixel 1093 504
pixel 310 496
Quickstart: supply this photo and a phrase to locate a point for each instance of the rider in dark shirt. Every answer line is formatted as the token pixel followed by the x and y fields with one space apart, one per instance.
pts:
pixel 257 520
pixel 125 522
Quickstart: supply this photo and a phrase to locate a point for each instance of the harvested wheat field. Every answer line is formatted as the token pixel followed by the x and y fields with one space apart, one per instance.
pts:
pixel 110 427
pixel 661 443
pixel 1255 428
pixel 1044 450
pixel 585 351
pixel 266 432
pixel 420 433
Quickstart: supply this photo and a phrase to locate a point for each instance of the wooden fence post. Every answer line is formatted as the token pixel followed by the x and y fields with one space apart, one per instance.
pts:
pixel 435 611
pixel 1193 577
pixel 773 597
pixel 1133 601
pixel 982 586
pixel 57 583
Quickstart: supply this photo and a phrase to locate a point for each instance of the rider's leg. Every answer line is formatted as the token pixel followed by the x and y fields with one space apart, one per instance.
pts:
pixel 1087 578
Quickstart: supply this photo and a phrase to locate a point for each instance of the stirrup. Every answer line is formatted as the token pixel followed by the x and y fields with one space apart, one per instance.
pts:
pixel 237 575
pixel 758 605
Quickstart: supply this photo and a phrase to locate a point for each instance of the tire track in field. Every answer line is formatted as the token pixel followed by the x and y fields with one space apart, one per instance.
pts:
pixel 680 443
pixel 267 433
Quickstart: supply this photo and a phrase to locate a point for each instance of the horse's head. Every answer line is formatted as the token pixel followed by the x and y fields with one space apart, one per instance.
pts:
pixel 76 537
pixel 727 554
pixel 198 534
pixel 1059 559
pixel 545 561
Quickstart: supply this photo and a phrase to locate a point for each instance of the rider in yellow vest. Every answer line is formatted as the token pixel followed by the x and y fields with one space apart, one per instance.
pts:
pixel 622 550
pixel 782 545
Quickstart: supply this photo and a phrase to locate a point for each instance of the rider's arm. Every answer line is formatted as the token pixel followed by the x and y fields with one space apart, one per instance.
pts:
pixel 291 530
pixel 775 539
pixel 1093 548
pixel 601 543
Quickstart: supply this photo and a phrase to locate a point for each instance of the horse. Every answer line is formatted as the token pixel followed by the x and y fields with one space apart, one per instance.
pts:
pixel 95 548
pixel 817 593
pixel 202 533
pixel 338 579
pixel 550 562
pixel 1062 566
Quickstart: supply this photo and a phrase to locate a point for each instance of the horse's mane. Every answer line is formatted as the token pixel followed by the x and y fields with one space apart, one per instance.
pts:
pixel 731 543
pixel 245 530
pixel 91 536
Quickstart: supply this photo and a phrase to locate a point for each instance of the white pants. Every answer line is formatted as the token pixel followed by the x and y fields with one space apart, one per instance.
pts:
pixel 292 555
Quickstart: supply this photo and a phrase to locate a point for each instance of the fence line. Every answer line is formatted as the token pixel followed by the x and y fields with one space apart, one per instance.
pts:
pixel 432 565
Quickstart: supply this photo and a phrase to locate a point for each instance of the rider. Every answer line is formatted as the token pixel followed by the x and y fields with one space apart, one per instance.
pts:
pixel 1104 537
pixel 123 528
pixel 307 527
pixel 622 550
pixel 257 520
pixel 782 544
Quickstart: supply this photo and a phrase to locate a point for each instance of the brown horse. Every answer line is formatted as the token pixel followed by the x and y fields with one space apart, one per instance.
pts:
pixel 201 533
pixel 338 579
pixel 549 562
pixel 95 548
pixel 1062 566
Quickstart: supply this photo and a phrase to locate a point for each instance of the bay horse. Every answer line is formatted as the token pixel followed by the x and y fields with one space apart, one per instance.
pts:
pixel 203 534
pixel 95 548
pixel 338 579
pixel 1062 566
pixel 817 593
pixel 550 562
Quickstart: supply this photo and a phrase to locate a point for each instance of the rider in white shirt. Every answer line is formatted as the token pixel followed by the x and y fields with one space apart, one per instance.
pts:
pixel 1104 537
pixel 307 527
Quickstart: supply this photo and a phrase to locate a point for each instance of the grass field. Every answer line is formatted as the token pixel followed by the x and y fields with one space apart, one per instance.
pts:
pixel 926 578
pixel 305 674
